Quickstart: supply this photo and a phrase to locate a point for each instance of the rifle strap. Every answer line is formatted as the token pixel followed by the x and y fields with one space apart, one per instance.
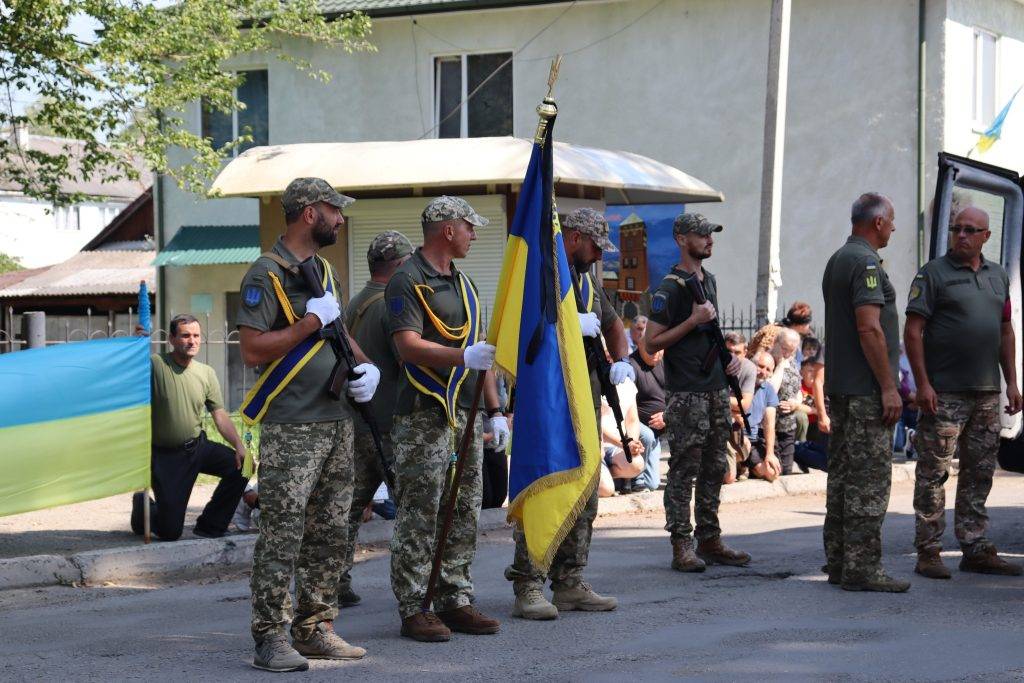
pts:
pixel 362 310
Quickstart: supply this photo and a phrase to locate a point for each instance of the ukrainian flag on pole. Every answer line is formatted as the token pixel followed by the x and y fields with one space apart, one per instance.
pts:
pixel 995 130
pixel 555 451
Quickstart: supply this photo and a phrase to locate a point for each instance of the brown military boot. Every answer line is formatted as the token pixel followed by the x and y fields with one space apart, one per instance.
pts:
pixel 469 619
pixel 713 551
pixel 929 564
pixel 426 628
pixel 683 557
pixel 987 561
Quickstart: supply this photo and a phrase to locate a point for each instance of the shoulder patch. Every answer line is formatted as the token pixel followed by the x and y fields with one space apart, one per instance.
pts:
pixel 396 305
pixel 252 296
pixel 915 291
pixel 658 303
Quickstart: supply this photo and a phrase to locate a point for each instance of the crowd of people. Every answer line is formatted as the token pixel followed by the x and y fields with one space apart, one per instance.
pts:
pixel 416 336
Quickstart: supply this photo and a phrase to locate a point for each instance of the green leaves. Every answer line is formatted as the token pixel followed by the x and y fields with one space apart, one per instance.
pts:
pixel 124 91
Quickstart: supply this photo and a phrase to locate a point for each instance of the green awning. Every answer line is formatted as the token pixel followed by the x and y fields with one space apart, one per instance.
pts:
pixel 206 245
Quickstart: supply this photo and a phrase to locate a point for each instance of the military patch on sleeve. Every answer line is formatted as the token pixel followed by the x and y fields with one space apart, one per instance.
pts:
pixel 871 275
pixel 915 291
pixel 396 305
pixel 658 303
pixel 252 296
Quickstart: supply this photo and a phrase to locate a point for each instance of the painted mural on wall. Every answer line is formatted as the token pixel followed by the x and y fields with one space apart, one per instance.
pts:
pixel 661 251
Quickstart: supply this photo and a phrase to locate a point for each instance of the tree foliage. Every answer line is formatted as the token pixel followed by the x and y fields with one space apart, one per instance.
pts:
pixel 8 263
pixel 123 93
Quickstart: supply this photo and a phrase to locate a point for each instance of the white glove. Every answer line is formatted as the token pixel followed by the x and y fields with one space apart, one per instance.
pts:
pixel 590 325
pixel 499 427
pixel 620 370
pixel 324 307
pixel 479 356
pixel 362 389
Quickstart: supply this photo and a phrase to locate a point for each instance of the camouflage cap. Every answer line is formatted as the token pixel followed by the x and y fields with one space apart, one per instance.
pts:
pixel 694 222
pixel 590 222
pixel 302 192
pixel 387 246
pixel 445 208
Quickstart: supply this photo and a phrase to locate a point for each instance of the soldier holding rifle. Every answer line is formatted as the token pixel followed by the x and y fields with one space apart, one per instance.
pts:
pixel 697 415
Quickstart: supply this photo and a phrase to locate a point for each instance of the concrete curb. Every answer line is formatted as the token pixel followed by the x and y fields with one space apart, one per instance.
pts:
pixel 160 559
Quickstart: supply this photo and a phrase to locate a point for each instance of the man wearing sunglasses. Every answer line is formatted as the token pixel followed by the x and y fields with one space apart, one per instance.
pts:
pixel 958 335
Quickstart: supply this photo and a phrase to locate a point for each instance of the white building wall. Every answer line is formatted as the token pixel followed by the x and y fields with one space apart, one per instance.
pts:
pixel 37 234
pixel 685 85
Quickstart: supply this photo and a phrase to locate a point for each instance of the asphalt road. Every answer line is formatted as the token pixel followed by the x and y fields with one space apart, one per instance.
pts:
pixel 775 620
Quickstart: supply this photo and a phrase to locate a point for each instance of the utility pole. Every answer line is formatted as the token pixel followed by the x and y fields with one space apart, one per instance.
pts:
pixel 769 267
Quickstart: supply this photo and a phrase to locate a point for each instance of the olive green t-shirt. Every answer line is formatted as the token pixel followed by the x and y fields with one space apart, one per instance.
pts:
pixel 964 313
pixel 853 278
pixel 672 304
pixel 405 312
pixel 305 398
pixel 366 318
pixel 180 395
pixel 602 307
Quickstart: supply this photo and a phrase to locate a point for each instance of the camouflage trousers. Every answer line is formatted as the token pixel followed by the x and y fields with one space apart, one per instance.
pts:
pixel 570 559
pixel 970 421
pixel 698 425
pixel 423 443
pixel 305 476
pixel 366 479
pixel 859 480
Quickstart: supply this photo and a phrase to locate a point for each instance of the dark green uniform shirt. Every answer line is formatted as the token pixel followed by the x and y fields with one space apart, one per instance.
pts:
pixel 180 395
pixel 305 398
pixel 602 307
pixel 366 318
pixel 405 312
pixel 854 277
pixel 671 305
pixel 964 310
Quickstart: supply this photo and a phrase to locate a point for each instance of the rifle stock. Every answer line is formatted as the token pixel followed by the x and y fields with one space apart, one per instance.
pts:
pixel 344 371
pixel 718 348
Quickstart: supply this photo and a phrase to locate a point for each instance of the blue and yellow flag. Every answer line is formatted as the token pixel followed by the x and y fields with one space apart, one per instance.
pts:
pixel 995 130
pixel 74 423
pixel 555 451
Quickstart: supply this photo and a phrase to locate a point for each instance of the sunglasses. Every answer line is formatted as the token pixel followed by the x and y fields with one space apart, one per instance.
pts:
pixel 965 229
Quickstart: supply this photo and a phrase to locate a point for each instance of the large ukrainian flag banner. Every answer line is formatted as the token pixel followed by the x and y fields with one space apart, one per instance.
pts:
pixel 74 423
pixel 555 452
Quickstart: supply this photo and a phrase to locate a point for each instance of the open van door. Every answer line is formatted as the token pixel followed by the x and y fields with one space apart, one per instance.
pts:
pixel 964 182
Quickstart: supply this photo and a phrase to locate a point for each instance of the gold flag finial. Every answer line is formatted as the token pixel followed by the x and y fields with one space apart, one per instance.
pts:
pixel 548 109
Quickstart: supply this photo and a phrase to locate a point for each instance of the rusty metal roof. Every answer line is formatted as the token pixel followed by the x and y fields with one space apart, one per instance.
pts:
pixel 86 273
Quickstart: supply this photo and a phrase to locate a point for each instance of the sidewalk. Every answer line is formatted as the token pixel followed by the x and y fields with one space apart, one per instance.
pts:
pixel 90 543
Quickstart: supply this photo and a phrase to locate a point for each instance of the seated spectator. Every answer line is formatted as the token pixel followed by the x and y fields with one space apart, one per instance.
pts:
pixel 761 460
pixel 737 446
pixel 763 339
pixel 247 514
pixel 650 403
pixel 810 452
pixel 811 350
pixel 615 465
pixel 786 382
pixel 907 425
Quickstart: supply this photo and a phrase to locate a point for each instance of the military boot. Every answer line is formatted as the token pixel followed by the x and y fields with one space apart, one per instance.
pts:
pixel 275 653
pixel 583 598
pixel 987 561
pixel 469 619
pixel 929 564
pixel 348 597
pixel 835 574
pixel 426 628
pixel 683 557
pixel 713 551
pixel 324 643
pixel 878 582
pixel 531 604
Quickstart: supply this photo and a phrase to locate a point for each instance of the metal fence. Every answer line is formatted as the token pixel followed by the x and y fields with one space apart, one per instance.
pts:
pixel 220 348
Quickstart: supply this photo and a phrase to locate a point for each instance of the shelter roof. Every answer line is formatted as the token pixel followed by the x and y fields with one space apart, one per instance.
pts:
pixel 87 273
pixel 203 245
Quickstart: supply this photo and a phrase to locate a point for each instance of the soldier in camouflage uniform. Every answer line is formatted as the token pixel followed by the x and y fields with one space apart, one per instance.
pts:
pixel 862 356
pixel 585 234
pixel 430 327
pixel 366 318
pixel 958 332
pixel 305 469
pixel 697 415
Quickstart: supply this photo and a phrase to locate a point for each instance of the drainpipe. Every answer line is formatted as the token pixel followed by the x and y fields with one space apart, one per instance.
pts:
pixel 158 198
pixel 922 49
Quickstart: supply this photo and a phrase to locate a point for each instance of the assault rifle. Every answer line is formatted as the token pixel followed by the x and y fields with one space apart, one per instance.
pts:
pixel 343 370
pixel 719 352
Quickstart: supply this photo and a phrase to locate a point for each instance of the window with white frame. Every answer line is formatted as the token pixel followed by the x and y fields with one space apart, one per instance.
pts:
pixel 489 112
pixel 221 128
pixel 984 82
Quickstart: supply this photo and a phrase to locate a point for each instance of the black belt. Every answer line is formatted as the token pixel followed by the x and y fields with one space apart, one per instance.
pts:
pixel 189 445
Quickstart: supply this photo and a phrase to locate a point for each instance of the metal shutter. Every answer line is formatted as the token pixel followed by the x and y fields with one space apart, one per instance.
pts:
pixel 369 217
